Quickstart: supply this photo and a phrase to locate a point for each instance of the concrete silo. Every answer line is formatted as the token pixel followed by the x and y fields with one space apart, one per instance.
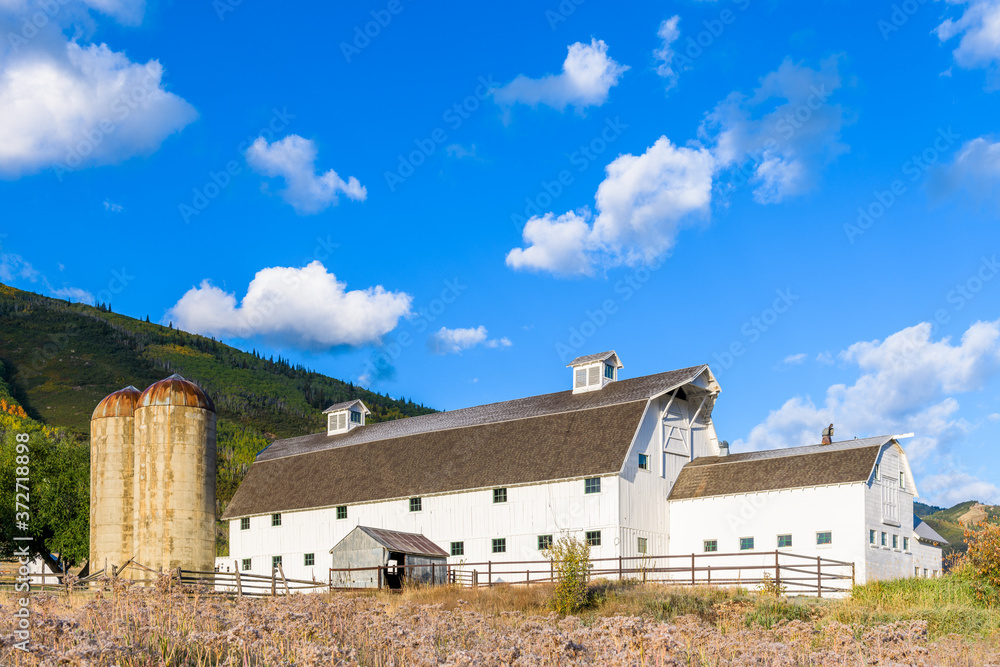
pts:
pixel 174 505
pixel 112 457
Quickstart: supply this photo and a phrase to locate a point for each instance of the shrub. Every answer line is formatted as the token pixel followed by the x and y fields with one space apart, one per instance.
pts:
pixel 570 558
pixel 770 586
pixel 981 562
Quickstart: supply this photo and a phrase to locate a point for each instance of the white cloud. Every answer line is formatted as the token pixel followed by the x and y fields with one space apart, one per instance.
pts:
pixel 794 359
pixel 587 77
pixel 72 106
pixel 75 293
pixel 453 341
pixel 906 383
pixel 642 204
pixel 304 307
pixel 782 134
pixel 458 151
pixel 668 33
pixel 113 207
pixel 974 169
pixel 956 486
pixel 294 159
pixel 14 267
pixel 979 27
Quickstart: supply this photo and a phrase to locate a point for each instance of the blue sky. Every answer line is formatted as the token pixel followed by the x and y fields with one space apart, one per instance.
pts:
pixel 449 202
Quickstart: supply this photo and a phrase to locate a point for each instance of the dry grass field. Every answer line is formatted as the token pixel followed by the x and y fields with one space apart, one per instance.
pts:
pixel 933 623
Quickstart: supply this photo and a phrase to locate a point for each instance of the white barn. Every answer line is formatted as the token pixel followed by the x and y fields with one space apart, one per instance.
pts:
pixel 633 466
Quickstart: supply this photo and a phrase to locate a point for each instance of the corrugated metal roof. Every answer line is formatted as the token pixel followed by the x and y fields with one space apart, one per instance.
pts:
pixel 175 390
pixel 118 404
pixel 615 393
pixel 814 465
pixel 408 543
pixel 923 531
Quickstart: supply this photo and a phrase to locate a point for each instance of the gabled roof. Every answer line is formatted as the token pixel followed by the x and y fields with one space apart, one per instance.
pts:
pixel 600 356
pixel 841 462
pixel 346 405
pixel 408 543
pixel 615 393
pixel 925 533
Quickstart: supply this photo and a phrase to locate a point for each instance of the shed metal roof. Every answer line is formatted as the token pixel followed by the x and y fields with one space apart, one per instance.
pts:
pixel 925 533
pixel 751 472
pixel 408 543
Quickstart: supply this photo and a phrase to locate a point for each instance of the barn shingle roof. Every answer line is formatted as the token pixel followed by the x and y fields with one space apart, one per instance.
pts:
pixel 567 444
pixel 814 465
pixel 615 393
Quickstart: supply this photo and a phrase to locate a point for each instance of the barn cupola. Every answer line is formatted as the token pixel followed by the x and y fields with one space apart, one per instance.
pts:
pixel 593 371
pixel 342 417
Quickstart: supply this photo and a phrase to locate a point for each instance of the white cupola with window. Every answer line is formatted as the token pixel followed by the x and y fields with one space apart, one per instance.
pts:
pixel 593 371
pixel 342 417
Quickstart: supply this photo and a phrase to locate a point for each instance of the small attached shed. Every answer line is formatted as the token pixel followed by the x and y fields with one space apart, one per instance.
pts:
pixel 391 559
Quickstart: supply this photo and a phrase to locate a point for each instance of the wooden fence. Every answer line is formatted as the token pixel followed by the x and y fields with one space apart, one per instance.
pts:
pixel 796 574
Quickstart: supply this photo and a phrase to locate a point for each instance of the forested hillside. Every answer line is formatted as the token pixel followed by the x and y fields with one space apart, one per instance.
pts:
pixel 58 360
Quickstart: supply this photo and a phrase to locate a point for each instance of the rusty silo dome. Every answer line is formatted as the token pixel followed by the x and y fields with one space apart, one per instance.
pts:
pixel 177 391
pixel 121 403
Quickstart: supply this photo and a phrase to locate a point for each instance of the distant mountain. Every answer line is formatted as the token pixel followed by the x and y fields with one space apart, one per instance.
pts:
pixel 59 359
pixel 922 510
pixel 951 523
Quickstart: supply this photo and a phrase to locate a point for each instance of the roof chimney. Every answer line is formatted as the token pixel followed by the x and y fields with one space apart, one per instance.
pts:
pixel 724 448
pixel 828 435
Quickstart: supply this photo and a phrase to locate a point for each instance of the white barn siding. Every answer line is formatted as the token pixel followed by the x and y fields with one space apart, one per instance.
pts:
pixel 469 516
pixel 889 510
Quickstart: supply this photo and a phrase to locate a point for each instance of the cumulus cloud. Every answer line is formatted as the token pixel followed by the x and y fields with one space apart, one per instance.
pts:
pixel 304 307
pixel 587 77
pixel 453 341
pixel 979 45
pixel 642 204
pixel 668 34
pixel 780 136
pixel 14 267
pixel 73 293
pixel 975 169
pixel 957 486
pixel 294 159
pixel 906 383
pixel 71 106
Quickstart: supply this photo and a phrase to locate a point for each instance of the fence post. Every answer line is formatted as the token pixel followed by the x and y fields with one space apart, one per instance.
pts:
pixel 692 569
pixel 489 574
pixel 819 577
pixel 274 581
pixel 281 571
pixel 239 582
pixel 709 575
pixel 852 576
pixel 777 571
pixel 619 567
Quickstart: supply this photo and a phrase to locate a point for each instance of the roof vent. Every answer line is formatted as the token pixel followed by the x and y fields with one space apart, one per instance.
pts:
pixel 593 371
pixel 724 448
pixel 342 417
pixel 828 435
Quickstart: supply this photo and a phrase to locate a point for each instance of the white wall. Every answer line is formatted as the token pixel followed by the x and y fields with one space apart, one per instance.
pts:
pixel 888 562
pixel 469 516
pixel 926 560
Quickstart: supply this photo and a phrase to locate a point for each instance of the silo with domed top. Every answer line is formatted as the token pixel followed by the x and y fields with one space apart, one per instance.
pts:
pixel 112 459
pixel 174 480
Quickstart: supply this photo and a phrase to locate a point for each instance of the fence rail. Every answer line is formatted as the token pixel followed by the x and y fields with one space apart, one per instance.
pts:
pixel 795 573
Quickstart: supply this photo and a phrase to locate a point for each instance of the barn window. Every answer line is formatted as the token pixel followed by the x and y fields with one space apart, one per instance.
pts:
pixel 355 417
pixel 499 495
pixel 416 505
pixel 500 545
pixel 711 545
pixel 245 523
pixel 246 564
pixel 544 542
pixel 275 519
pixel 902 480
pixel 458 548
pixel 826 537
pixel 895 541
pixel 643 462
pixel 906 544
pixel 592 485
pixel 871 537
pixel 275 562
pixel 609 371
pixel 342 512
pixel 884 534
pixel 594 538
pixel 784 541
pixel 310 560
pixel 876 472
pixel 642 545
pixel 746 543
